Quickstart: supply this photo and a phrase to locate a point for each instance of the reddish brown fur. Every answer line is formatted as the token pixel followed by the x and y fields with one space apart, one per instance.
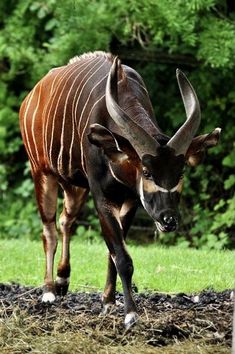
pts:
pixel 72 142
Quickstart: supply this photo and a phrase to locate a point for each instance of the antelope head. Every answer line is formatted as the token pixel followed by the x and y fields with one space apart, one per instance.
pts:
pixel 155 168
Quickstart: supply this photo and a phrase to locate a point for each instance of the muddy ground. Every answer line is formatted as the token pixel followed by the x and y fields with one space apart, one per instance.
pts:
pixel 74 324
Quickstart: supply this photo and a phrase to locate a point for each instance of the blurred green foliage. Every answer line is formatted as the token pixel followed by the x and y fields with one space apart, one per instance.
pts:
pixel 197 35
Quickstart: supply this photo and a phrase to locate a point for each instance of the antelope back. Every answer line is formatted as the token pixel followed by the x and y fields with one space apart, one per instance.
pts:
pixel 56 115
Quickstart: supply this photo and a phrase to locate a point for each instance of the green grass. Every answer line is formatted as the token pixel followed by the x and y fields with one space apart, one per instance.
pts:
pixel 157 268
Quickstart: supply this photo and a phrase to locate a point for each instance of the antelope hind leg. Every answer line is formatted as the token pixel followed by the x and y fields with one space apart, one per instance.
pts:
pixel 74 198
pixel 46 188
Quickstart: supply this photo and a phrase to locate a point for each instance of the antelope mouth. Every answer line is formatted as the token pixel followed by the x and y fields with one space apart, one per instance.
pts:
pixel 160 227
pixel 166 228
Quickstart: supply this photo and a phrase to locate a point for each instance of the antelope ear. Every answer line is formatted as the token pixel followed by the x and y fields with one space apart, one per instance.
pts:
pixel 199 145
pixel 104 138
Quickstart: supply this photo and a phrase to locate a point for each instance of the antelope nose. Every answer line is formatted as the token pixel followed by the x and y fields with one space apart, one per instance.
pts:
pixel 170 222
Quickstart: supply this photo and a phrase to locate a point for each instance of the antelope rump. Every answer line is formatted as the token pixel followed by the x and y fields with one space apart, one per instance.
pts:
pixel 90 126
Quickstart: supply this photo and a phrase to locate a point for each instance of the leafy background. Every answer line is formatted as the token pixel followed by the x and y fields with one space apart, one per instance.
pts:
pixel 155 37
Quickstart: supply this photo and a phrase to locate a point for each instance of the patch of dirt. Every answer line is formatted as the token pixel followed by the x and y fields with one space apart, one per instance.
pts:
pixel 166 321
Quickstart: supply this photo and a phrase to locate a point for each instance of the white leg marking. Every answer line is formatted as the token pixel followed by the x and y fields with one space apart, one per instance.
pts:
pixel 113 259
pixel 126 207
pixel 107 308
pixel 130 319
pixel 63 281
pixel 196 299
pixel 48 297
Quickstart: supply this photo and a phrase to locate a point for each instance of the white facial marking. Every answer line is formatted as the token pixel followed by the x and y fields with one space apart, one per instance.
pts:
pixel 174 189
pixel 159 226
pixel 150 186
pixel 48 297
pixel 141 192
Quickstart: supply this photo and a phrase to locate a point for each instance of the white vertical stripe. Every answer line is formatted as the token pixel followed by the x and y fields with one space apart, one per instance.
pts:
pixel 87 121
pixel 80 93
pixel 67 73
pixel 81 139
pixel 33 121
pixel 60 155
pixel 31 157
pixel 74 107
pixel 53 93
pixel 114 176
pixel 56 99
pixel 50 106
pixel 53 82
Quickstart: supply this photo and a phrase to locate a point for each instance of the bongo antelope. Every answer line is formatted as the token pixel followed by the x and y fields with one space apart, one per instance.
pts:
pixel 90 126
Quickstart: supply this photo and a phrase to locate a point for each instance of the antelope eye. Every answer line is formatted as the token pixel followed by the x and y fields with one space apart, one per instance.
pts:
pixel 146 173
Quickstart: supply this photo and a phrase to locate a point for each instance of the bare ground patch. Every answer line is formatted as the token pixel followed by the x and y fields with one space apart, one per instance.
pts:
pixel 74 324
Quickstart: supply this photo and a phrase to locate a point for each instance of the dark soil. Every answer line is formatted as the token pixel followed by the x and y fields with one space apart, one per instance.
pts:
pixel 164 320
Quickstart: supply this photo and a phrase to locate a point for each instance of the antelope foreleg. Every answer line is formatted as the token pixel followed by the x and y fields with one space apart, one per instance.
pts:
pixel 113 234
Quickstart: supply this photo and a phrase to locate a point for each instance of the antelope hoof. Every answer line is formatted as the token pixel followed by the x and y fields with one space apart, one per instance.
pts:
pixel 61 286
pixel 107 308
pixel 130 320
pixel 48 297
